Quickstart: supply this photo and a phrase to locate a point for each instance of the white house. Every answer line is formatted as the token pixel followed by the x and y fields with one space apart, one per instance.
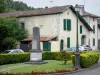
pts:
pixel 91 19
pixel 98 31
pixel 57 26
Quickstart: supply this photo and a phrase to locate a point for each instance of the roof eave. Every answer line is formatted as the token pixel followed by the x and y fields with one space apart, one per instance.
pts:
pixel 80 17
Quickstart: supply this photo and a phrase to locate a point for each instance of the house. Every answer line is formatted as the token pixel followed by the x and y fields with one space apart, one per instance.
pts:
pixel 57 27
pixel 91 19
pixel 98 31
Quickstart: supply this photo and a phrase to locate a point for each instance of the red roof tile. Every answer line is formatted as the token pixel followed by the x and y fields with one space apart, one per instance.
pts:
pixel 41 39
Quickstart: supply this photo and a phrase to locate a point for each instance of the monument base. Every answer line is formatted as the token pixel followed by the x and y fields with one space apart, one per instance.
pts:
pixel 36 62
pixel 36 58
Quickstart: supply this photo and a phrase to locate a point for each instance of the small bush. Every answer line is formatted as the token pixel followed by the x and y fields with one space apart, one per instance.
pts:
pixel 87 59
pixel 64 56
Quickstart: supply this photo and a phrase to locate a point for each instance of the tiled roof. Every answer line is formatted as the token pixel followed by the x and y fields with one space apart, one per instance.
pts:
pixel 41 38
pixel 46 11
pixel 89 14
pixel 36 12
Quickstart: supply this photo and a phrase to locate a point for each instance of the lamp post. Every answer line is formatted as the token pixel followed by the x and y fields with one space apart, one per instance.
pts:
pixel 77 54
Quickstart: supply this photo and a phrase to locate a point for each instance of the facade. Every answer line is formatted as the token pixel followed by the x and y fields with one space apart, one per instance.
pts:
pixel 91 19
pixel 57 27
pixel 98 31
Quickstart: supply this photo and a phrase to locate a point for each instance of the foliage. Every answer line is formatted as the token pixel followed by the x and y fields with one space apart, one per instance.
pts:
pixel 46 56
pixel 9 27
pixel 87 59
pixel 18 6
pixel 53 72
pixel 64 56
pixel 50 55
pixel 3 6
pixel 13 58
pixel 9 43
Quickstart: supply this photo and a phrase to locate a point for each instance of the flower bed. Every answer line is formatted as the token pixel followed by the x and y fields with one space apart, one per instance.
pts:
pixel 41 72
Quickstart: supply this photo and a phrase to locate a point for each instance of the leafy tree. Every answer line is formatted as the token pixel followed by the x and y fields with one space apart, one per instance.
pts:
pixel 9 43
pixel 3 6
pixel 9 27
pixel 18 5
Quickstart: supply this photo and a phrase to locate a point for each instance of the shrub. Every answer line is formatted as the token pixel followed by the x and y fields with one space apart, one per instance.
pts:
pixel 87 59
pixel 18 57
pixel 50 55
pixel 64 56
pixel 13 58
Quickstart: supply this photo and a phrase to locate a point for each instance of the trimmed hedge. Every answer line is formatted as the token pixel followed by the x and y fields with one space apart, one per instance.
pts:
pixel 87 59
pixel 17 58
pixel 13 58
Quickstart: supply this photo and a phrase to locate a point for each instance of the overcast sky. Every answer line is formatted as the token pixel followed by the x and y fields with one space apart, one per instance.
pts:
pixel 92 6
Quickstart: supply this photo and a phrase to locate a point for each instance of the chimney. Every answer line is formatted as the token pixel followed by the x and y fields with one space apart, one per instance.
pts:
pixel 81 9
pixel 46 7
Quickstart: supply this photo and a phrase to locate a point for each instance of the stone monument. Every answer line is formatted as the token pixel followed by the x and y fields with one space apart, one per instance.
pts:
pixel 36 53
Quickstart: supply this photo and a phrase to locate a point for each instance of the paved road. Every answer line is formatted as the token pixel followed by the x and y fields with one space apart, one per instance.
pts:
pixel 95 71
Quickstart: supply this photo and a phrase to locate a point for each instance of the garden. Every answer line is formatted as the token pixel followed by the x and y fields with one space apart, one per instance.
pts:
pixel 57 62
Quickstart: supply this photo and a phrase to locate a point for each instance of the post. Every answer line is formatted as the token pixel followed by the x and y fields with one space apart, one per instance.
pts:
pixel 77 54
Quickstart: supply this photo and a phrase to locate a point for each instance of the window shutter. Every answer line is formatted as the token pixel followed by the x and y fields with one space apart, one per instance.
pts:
pixel 64 23
pixel 94 29
pixel 81 29
pixel 68 24
pixel 68 42
pixel 93 42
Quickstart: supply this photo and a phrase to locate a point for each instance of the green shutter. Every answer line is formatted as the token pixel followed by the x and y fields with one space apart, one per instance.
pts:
pixel 68 24
pixel 64 23
pixel 46 46
pixel 61 45
pixel 81 29
pixel 68 42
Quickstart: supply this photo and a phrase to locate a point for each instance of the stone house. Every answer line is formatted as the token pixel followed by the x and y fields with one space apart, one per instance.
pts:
pixel 57 27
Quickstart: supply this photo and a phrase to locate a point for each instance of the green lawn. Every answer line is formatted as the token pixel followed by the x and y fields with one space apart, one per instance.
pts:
pixel 21 67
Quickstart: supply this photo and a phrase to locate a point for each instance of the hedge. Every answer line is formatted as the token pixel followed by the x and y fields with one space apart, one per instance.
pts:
pixel 87 59
pixel 17 58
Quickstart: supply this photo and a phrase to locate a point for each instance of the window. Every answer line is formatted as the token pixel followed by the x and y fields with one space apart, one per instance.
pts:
pixel 64 23
pixel 93 19
pixel 81 29
pixel 68 42
pixel 41 26
pixel 93 28
pixel 68 24
pixel 23 25
pixel 93 42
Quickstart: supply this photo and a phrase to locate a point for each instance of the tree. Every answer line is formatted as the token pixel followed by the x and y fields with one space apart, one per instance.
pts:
pixel 9 28
pixel 64 56
pixel 18 5
pixel 3 6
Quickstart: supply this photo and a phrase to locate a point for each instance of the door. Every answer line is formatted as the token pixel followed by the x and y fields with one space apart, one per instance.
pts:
pixel 46 46
pixel 61 45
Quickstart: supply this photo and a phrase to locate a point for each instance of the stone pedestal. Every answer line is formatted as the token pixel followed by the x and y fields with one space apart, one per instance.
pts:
pixel 36 53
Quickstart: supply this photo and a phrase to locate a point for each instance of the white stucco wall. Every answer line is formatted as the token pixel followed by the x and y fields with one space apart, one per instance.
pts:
pixel 72 34
pixel 47 24
pixel 92 35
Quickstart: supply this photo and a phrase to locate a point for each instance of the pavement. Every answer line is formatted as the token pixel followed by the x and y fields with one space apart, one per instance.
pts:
pixel 93 70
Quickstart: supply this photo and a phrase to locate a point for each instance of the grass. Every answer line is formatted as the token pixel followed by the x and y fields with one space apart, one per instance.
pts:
pixel 21 67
